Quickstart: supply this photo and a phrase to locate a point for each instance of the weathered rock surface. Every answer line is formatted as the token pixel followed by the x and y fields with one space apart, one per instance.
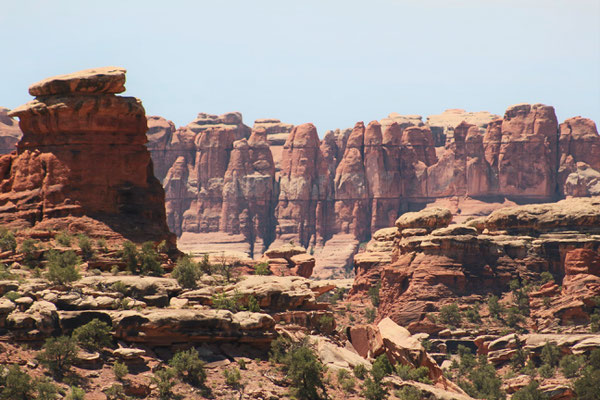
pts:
pixel 10 133
pixel 75 124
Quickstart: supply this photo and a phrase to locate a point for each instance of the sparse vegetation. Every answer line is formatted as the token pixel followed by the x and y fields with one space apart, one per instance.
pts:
pixel 374 294
pixel 62 266
pixel 120 370
pixel 529 392
pixel 370 314
pixel 188 367
pixel 58 354
pixel 8 242
pixel 223 301
pixel 85 245
pixel 45 389
pixel 163 379
pixel 16 383
pixel 186 272
pixel 93 336
pixel 29 249
pixel 233 377
pixel 450 315
pixel 496 310
pixel 262 269
pixel 144 262
pixel 76 393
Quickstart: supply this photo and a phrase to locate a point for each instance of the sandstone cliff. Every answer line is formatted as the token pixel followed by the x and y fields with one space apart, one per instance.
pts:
pixel 9 132
pixel 82 154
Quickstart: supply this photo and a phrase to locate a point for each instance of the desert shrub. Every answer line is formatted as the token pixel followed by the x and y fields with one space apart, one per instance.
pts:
pixel 514 317
pixel 587 386
pixel 116 392
pixel 520 296
pixel 205 266
pixel 546 371
pixel 360 371
pixel 262 269
pixel 305 371
pixel 253 305
pixel 279 349
pixel 163 379
pixel 29 249
pixel 188 367
pixel 8 242
pixel 63 238
pixel 571 364
pixel 85 245
pixel 326 323
pixel 472 315
pixel 5 273
pixel 409 393
pixel 233 377
pixel 76 393
pixel 94 335
pixel 381 368
pixel 374 390
pixel 222 301
pixel 186 272
pixel 529 392
pixel 595 321
pixel 494 306
pixel 410 373
pixel 162 247
pixel 546 277
pixel 129 255
pixel 241 363
pixel 483 382
pixel 12 295
pixel 58 354
pixel 120 370
pixel 149 260
pixel 519 358
pixel 370 314
pixel 45 389
pixel 17 384
pixel 101 245
pixel 550 354
pixel 62 267
pixel 374 294
pixel 450 315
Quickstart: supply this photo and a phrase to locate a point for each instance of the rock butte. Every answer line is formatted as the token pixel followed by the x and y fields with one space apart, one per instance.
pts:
pixel 82 163
pixel 286 184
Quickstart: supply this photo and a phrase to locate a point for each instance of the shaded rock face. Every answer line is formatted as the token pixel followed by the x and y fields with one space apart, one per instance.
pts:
pixel 432 262
pixel 10 133
pixel 82 153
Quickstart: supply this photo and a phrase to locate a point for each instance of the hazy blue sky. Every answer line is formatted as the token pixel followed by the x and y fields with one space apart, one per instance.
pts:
pixel 328 62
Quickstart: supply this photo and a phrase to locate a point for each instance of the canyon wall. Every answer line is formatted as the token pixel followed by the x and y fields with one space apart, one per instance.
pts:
pixel 241 188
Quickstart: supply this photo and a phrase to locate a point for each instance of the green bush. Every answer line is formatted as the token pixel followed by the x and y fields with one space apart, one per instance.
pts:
pixel 305 371
pixel 5 273
pixel 62 267
pixel 360 371
pixel 373 390
pixel 496 310
pixel 101 245
pixel 46 389
pixel 120 370
pixel 17 384
pixel 58 354
pixel 253 305
pixel 76 393
pixel 8 242
pixel 450 315
pixel 233 377
pixel 571 364
pixel 12 295
pixel 381 368
pixel 188 366
pixel 186 272
pixel 63 238
pixel 483 381
pixel 370 314
pixel 94 335
pixel 410 373
pixel 262 269
pixel 163 379
pixel 550 354
pixel 85 245
pixel 149 260
pixel 529 392
pixel 129 255
pixel 409 393
pixel 546 277
pixel 116 392
pixel 472 315
pixel 374 294
pixel 326 323
pixel 546 371
pixel 595 321
pixel 514 317
pixel 205 266
pixel 29 249
pixel 223 301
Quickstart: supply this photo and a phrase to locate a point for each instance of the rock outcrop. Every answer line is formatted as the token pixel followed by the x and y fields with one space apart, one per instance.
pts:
pixel 433 263
pixel 82 154
pixel 10 133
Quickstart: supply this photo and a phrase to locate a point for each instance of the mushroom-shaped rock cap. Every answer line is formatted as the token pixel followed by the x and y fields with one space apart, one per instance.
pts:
pixel 431 218
pixel 88 81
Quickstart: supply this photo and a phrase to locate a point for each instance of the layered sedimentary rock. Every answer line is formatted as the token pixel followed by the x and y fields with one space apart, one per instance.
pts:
pixel 345 187
pixel 10 133
pixel 433 263
pixel 82 154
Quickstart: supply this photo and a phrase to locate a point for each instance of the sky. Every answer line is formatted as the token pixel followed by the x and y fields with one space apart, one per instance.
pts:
pixel 329 62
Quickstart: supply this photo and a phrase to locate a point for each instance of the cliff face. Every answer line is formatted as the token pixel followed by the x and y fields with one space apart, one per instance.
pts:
pixel 82 154
pixel 353 182
pixel 10 133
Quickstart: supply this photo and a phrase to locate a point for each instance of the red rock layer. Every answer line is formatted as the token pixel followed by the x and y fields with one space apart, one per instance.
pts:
pixel 82 153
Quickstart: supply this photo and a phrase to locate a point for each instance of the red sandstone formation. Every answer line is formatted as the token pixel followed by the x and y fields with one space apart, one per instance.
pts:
pixel 82 154
pixel 344 188
pixel 9 132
